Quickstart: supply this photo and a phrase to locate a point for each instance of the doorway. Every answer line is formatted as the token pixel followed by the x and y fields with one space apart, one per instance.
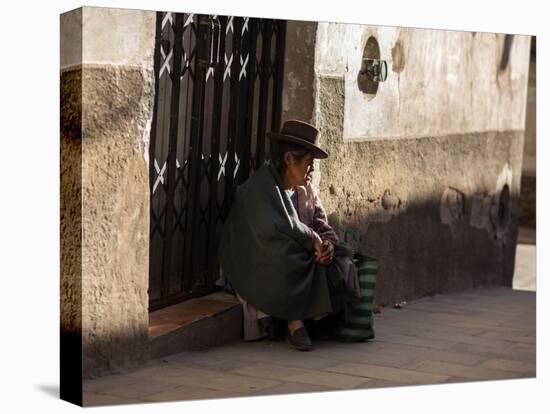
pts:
pixel 218 82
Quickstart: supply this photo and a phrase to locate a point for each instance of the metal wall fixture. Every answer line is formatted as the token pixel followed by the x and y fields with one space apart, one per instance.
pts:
pixel 373 69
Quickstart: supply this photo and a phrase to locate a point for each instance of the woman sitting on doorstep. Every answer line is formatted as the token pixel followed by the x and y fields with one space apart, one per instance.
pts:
pixel 278 251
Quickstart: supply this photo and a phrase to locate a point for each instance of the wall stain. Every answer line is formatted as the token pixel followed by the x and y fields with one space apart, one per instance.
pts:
pixel 398 57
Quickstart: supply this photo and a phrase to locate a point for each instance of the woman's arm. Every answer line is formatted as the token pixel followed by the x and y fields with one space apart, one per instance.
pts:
pixel 292 226
pixel 320 221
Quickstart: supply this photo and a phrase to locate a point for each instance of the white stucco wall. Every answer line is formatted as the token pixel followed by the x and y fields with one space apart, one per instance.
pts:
pixel 450 82
pixel 70 38
pixel 107 36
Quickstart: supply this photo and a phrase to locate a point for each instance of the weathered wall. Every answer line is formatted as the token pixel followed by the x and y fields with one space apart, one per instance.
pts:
pixel 116 88
pixel 529 165
pixel 299 79
pixel 298 94
pixel 71 216
pixel 70 182
pixel 427 208
pixel 416 172
pixel 440 82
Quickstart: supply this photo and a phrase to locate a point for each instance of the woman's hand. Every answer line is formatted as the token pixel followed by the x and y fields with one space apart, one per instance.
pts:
pixel 317 246
pixel 327 253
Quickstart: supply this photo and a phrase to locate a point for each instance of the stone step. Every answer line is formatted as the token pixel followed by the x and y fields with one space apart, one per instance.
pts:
pixel 195 324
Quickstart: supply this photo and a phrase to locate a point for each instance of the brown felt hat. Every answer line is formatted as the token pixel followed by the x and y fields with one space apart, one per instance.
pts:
pixel 301 133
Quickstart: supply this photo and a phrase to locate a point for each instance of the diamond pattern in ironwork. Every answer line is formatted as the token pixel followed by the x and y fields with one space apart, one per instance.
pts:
pixel 243 66
pixel 228 63
pixel 209 73
pixel 229 25
pixel 157 223
pixel 189 20
pixel 160 175
pixel 167 18
pixel 212 204
pixel 166 60
pixel 245 25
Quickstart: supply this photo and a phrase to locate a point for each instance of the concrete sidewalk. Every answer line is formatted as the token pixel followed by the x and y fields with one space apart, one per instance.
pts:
pixel 479 334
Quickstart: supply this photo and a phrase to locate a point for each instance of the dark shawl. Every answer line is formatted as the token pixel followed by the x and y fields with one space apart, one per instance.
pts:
pixel 266 252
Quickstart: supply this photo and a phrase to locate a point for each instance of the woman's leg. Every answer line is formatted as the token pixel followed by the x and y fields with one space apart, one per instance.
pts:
pixel 293 325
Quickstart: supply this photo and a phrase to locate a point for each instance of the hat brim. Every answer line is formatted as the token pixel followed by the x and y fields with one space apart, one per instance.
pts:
pixel 315 150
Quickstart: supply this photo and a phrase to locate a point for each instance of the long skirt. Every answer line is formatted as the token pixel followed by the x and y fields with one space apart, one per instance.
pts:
pixel 344 290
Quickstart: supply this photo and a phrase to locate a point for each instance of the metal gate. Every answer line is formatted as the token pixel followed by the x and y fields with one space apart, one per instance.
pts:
pixel 217 92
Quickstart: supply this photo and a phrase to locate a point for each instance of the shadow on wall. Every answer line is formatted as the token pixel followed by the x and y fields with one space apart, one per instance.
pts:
pixel 436 246
pixel 115 352
pixel 505 57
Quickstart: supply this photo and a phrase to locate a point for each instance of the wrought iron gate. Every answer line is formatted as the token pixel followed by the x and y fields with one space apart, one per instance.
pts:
pixel 218 91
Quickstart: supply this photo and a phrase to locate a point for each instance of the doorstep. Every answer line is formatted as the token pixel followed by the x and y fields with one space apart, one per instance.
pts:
pixel 195 324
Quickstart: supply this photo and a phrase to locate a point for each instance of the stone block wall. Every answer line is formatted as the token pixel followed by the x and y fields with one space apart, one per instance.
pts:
pixel 427 209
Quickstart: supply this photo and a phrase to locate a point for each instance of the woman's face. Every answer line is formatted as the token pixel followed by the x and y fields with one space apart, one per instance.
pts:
pixel 298 172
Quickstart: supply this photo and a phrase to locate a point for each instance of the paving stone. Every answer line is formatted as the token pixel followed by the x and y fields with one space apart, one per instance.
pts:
pixel 291 388
pixel 435 326
pixel 387 373
pixel 381 383
pixel 523 347
pixel 186 392
pixel 417 354
pixel 482 308
pixel 527 320
pixel 395 329
pixel 208 379
pixel 329 379
pixel 466 339
pixel 205 361
pixel 417 341
pixel 136 391
pixel 510 332
pixel 436 308
pixel 508 329
pixel 279 354
pixel 456 380
pixel 490 353
pixel 370 346
pixel 108 382
pixel 404 354
pixel 307 362
pixel 464 320
pixel 269 371
pixel 455 370
pixel 90 399
pixel 377 357
pixel 509 365
pixel 155 371
pixel 512 335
